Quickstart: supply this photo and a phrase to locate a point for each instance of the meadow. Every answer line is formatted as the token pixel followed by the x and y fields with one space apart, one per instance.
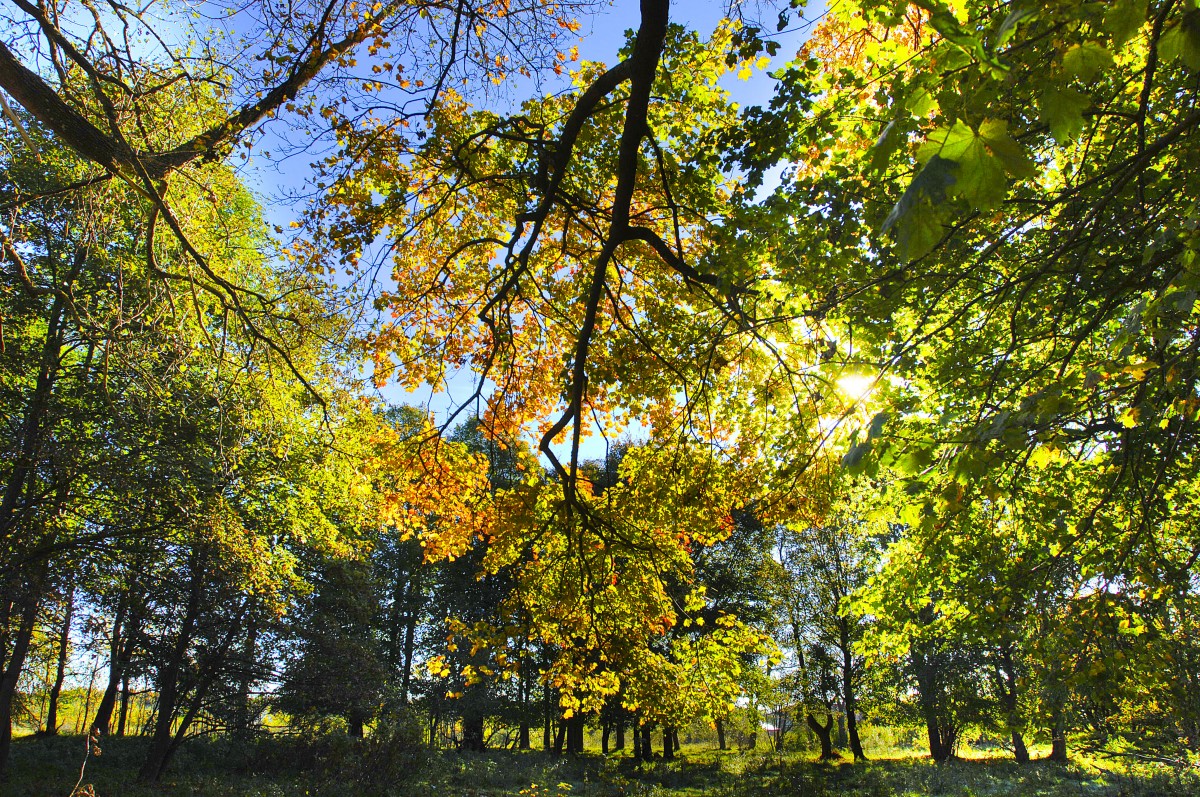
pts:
pixel 335 766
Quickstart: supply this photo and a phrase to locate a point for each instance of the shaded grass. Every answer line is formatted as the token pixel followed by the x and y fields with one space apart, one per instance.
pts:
pixel 335 766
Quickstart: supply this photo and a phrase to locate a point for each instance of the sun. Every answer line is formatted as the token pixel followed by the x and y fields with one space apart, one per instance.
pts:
pixel 856 386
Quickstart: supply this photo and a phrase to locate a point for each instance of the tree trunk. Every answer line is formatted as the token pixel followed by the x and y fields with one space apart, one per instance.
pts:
pixel 575 734
pixel 410 632
pixel 824 734
pixel 169 676
pixel 12 674
pixel 473 735
pixel 124 715
pixel 242 722
pixel 116 668
pixel 668 743
pixel 620 745
pixel 647 743
pixel 720 734
pixel 637 743
pixel 604 734
pixel 559 738
pixel 24 465
pixel 354 726
pixel 60 673
pixel 1058 737
pixel 523 731
pixel 1007 687
pixel 849 698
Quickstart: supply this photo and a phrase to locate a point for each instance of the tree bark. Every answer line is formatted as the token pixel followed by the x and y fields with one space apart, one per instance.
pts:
pixel 647 743
pixel 116 668
pixel 11 674
pixel 1058 737
pixel 60 673
pixel 124 713
pixel 575 734
pixel 824 734
pixel 169 676
pixel 849 698
pixel 720 734
pixel 241 721
pixel 30 440
pixel 524 687
pixel 668 743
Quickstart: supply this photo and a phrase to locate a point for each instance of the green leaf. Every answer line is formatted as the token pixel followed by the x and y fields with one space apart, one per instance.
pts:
pixel 853 460
pixel 876 429
pixel 1086 60
pixel 984 156
pixel 1011 155
pixel 1124 18
pixel 954 143
pixel 1062 109
pixel 884 146
pixel 920 103
pixel 916 219
pixel 1182 41
pixel 1009 26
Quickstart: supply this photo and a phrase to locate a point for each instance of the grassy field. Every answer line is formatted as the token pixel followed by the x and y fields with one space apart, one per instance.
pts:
pixel 335 766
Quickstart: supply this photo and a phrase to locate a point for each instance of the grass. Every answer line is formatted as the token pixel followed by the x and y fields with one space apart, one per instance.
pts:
pixel 335 766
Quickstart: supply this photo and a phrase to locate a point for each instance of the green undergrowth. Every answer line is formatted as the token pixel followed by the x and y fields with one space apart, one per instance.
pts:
pixel 336 766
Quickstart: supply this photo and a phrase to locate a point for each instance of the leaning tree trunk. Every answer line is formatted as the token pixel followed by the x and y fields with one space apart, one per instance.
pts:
pixel 116 669
pixel 12 674
pixel 60 673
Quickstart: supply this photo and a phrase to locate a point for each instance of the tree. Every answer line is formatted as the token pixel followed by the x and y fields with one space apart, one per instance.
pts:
pixel 338 666
pixel 824 566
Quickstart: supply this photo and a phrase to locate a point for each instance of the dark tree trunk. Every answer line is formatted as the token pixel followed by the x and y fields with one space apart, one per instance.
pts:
pixel 124 714
pixel 620 735
pixel 168 693
pixel 604 734
pixel 647 743
pixel 167 734
pixel 720 734
pixel 249 658
pixel 355 727
pixel 849 698
pixel 116 668
pixel 12 674
pixel 575 734
pixel 60 672
pixel 1006 683
pixel 1058 737
pixel 410 631
pixel 523 732
pixel 668 743
pixel 637 743
pixel 473 736
pixel 824 734
pixel 559 738
pixel 29 442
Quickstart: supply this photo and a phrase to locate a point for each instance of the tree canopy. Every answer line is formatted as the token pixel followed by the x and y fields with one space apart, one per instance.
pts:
pixel 895 373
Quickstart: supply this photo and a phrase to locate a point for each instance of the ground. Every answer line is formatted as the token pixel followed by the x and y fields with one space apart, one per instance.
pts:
pixel 338 767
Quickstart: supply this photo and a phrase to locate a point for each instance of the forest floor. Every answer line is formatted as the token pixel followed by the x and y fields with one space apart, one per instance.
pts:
pixel 49 767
